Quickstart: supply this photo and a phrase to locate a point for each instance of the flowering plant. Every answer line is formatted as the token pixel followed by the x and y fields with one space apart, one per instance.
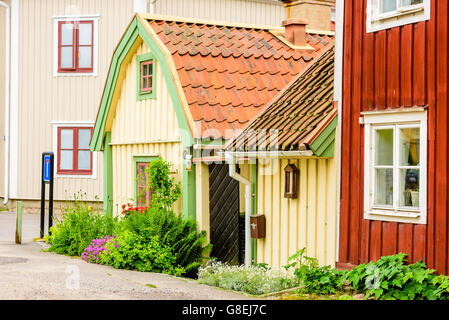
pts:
pixel 129 209
pixel 97 247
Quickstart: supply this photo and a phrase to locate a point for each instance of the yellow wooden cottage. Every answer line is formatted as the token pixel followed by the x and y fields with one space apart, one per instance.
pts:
pixel 181 89
pixel 291 147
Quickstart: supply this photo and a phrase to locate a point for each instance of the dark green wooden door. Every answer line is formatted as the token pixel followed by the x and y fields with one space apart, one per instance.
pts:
pixel 224 214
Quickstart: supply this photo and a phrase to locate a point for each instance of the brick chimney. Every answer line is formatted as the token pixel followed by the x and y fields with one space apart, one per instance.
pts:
pixel 316 12
pixel 295 31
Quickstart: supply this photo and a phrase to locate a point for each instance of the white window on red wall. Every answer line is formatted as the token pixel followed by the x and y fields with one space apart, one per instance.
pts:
pixel 396 166
pixel 76 46
pixel 74 156
pixel 386 14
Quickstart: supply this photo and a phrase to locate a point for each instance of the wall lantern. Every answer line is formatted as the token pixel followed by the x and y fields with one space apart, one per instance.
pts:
pixel 187 160
pixel 291 181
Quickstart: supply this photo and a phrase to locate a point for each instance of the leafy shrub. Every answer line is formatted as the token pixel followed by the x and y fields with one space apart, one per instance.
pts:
pixel 255 280
pixel 315 279
pixel 80 224
pixel 164 190
pixel 172 231
pixel 391 278
pixel 137 253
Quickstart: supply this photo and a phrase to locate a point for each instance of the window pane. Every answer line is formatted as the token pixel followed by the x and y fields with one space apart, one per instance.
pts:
pixel 384 187
pixel 85 57
pixel 145 70
pixel 66 161
pixel 66 34
pixel 145 83
pixel 85 34
pixel 409 188
pixel 384 147
pixel 84 138
pixel 66 139
pixel 409 146
pixel 410 2
pixel 388 6
pixel 141 174
pixel 67 57
pixel 84 160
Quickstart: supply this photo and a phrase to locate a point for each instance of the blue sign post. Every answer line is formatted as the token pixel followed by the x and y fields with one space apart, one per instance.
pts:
pixel 47 177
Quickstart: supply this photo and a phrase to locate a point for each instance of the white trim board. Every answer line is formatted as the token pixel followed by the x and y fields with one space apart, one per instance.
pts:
pixel 14 112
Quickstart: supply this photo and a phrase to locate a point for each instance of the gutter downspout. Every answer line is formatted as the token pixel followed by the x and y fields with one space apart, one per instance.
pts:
pixel 338 85
pixel 7 96
pixel 233 174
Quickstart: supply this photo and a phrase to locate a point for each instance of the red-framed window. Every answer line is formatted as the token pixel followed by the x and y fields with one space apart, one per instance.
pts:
pixel 76 46
pixel 74 154
pixel 143 191
pixel 146 76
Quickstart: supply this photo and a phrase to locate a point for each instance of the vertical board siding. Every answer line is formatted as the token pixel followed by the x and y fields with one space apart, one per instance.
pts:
pixel 262 12
pixel 142 128
pixel 399 67
pixel 45 98
pixel 306 222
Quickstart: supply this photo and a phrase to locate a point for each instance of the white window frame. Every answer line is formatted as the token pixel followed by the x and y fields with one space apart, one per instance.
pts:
pixel 408 119
pixel 56 20
pixel 376 21
pixel 78 124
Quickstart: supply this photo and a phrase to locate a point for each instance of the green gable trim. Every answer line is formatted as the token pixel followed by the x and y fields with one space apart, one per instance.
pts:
pixel 107 175
pixel 134 30
pixel 145 95
pixel 323 146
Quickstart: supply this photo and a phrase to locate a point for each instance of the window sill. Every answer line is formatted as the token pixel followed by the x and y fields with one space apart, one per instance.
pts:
pixel 415 217
pixel 398 14
pixel 75 176
pixel 75 74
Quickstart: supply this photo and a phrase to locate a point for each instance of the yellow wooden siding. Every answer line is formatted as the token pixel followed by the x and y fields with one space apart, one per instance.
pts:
pixel 45 98
pixel 142 128
pixel 264 12
pixel 292 224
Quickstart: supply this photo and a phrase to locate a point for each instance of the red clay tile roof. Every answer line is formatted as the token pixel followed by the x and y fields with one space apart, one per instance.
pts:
pixel 229 73
pixel 297 115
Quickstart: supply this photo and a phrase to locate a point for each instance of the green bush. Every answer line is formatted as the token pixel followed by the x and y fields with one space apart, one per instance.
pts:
pixel 315 279
pixel 391 278
pixel 135 252
pixel 79 225
pixel 188 245
pixel 164 190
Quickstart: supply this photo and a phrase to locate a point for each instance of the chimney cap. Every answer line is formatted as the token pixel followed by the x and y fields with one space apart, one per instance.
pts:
pixel 294 21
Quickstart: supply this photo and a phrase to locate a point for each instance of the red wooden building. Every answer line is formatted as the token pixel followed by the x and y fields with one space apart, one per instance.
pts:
pixel 394 116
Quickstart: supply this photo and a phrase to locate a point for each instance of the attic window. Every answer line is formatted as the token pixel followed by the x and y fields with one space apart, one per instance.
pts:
pixel 146 66
pixel 146 76
pixel 385 14
pixel 291 181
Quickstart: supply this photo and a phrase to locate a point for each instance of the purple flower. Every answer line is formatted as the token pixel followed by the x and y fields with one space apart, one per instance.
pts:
pixel 97 246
